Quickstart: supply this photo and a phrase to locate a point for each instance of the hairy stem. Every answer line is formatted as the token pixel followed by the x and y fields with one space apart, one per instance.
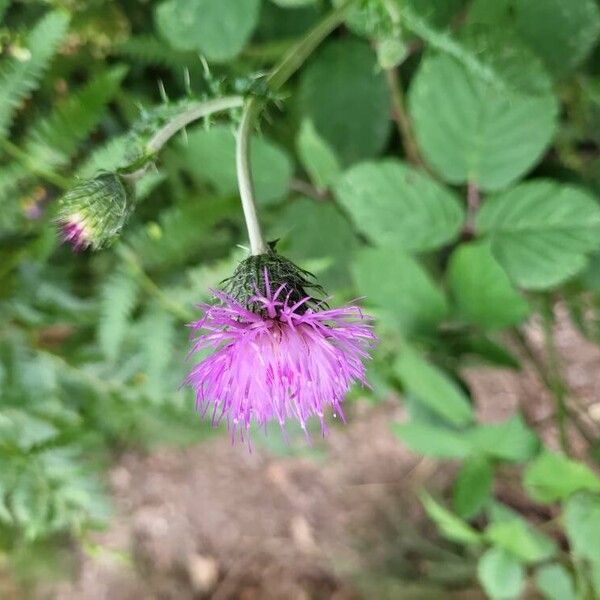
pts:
pixel 202 109
pixel 280 73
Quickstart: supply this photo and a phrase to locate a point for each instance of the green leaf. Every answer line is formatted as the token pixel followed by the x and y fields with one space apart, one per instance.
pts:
pixel 347 100
pixel 540 231
pixel 54 139
pixel 561 34
pixel 432 440
pixel 501 574
pixel 432 387
pixel 24 430
pixel 118 299
pixel 293 3
pixel 482 292
pixel 555 582
pixel 472 487
pixel 517 537
pixel 157 341
pixel 400 288
pixel 552 477
pixel 316 156
pixel 219 29
pixel 511 440
pixel 582 522
pixel 20 76
pixel 300 228
pixel 449 524
pixel 393 203
pixel 209 155
pixel 469 130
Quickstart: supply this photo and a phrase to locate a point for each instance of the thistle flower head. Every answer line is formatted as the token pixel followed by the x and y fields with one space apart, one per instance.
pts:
pixel 93 212
pixel 277 353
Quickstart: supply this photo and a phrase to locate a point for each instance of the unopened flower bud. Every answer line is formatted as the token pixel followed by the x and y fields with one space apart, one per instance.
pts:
pixel 93 213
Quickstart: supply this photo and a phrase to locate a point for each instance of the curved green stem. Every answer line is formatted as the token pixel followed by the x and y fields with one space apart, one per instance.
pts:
pixel 280 73
pixel 195 112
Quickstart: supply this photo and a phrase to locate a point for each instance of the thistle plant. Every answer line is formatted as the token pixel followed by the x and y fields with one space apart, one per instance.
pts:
pixel 278 352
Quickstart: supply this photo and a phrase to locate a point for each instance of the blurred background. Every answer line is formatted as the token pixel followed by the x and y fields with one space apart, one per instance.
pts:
pixel 438 158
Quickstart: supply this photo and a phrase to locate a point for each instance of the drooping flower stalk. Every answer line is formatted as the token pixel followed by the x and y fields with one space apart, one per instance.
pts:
pixel 289 64
pixel 275 351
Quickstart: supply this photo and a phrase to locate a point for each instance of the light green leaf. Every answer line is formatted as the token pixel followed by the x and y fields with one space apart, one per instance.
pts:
pixel 482 291
pixel 24 430
pixel 501 574
pixel 552 477
pixel 540 231
pixel 53 140
pixel 393 203
pixel 209 155
pixel 451 526
pixel 472 487
pixel 347 100
pixel 582 522
pixel 316 156
pixel 432 387
pixel 432 440
pixel 400 288
pixel 562 34
pixel 293 3
pixel 117 301
pixel 219 29
pixel 20 76
pixel 510 440
pixel 520 539
pixel 555 582
pixel 469 130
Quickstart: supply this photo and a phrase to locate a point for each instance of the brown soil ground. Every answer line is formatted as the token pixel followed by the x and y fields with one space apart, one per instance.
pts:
pixel 215 521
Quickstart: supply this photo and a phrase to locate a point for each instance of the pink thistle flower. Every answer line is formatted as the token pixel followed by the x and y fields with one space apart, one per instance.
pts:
pixel 73 231
pixel 285 360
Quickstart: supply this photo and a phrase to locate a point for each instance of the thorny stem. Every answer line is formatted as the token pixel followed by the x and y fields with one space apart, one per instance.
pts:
pixel 280 73
pixel 167 131
pixel 202 109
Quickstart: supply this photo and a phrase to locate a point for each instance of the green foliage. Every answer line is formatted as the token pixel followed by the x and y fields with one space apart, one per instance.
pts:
pixel 392 203
pixel 433 388
pixel 20 75
pixel 346 99
pixel 458 212
pixel 554 477
pixel 468 131
pixel 219 29
pixel 482 291
pixel 209 156
pixel 401 290
pixel 501 574
pixel 541 231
